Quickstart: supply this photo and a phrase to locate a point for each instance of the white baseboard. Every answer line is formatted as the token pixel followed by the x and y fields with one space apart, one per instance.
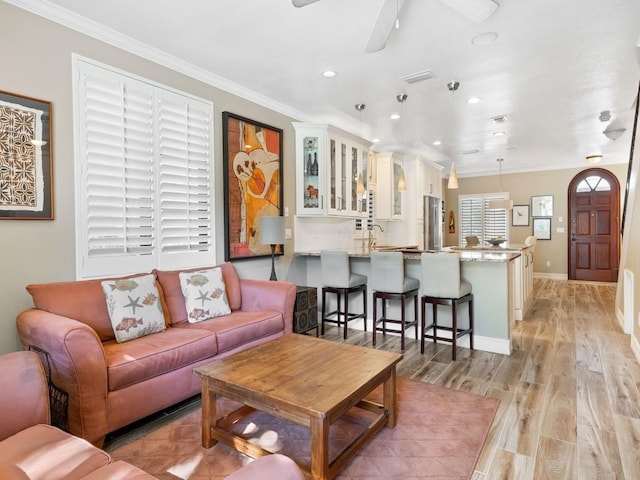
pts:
pixel 486 344
pixel 551 276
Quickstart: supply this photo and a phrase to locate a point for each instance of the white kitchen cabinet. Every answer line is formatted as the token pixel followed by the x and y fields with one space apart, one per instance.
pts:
pixel 389 199
pixel 329 165
pixel 523 283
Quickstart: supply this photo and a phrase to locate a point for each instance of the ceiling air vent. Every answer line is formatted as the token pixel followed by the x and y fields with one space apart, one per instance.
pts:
pixel 500 119
pixel 418 76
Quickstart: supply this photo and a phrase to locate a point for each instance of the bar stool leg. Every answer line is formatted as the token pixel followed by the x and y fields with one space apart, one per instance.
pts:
pixel 415 312
pixel 402 321
pixel 422 324
pixel 324 304
pixel 454 327
pixel 364 306
pixel 346 313
pixel 435 322
pixel 375 317
pixel 471 323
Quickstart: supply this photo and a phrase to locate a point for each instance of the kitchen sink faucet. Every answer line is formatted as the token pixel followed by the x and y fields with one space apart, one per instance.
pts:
pixel 372 237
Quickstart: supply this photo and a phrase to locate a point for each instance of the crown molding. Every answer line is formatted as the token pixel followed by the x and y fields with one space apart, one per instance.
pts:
pixel 95 30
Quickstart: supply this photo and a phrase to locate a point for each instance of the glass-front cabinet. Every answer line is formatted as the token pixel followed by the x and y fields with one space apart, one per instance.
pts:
pixel 390 198
pixel 331 171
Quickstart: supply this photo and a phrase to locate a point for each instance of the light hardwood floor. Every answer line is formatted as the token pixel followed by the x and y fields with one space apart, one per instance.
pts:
pixel 569 392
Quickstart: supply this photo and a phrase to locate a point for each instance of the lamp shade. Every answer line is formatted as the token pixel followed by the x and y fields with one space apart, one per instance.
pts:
pixel 453 177
pixel 272 230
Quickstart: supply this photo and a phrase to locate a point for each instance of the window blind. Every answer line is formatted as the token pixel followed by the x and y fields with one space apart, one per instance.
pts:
pixel 477 219
pixel 144 157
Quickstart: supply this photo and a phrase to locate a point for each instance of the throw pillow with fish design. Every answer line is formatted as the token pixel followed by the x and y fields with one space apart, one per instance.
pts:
pixel 134 307
pixel 205 295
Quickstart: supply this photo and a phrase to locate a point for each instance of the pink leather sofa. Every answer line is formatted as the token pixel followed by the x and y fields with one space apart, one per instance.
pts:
pixel 110 384
pixel 32 449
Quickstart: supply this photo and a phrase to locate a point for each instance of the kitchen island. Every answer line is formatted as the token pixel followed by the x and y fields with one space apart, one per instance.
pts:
pixel 494 273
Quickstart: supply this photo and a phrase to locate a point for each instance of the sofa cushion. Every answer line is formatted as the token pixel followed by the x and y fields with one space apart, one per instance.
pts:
pixel 81 300
pixel 169 281
pixel 45 452
pixel 240 327
pixel 204 294
pixel 134 307
pixel 146 357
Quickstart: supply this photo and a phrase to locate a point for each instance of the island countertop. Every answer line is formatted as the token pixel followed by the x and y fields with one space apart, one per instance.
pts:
pixel 492 254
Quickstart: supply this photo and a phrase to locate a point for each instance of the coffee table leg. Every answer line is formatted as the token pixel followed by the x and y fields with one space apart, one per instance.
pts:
pixel 209 414
pixel 319 448
pixel 389 398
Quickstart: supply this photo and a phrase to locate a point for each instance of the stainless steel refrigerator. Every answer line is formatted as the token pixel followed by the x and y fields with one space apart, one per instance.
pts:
pixel 432 223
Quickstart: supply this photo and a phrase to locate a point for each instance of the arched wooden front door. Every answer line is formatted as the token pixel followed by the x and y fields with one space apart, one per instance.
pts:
pixel 594 215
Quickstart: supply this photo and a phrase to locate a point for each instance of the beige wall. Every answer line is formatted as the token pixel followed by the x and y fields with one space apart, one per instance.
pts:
pixel 36 62
pixel 521 188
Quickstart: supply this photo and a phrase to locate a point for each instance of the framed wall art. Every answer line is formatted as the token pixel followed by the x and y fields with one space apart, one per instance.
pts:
pixel 542 228
pixel 252 156
pixel 520 216
pixel 26 191
pixel 542 206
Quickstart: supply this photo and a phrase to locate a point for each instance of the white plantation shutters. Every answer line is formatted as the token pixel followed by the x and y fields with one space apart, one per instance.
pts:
pixel 184 147
pixel 145 178
pixel 476 218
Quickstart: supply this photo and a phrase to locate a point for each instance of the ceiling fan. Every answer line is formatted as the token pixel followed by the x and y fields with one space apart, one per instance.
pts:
pixel 476 11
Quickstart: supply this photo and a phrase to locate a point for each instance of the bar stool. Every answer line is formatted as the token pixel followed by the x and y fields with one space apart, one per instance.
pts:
pixel 337 278
pixel 442 285
pixel 388 282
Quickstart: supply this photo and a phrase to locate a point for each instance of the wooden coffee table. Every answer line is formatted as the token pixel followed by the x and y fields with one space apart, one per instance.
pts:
pixel 305 380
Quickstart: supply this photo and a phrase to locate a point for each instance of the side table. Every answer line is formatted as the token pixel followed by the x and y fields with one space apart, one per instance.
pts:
pixel 305 312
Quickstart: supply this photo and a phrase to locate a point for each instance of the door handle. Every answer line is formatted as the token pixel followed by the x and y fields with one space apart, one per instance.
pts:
pixel 573 237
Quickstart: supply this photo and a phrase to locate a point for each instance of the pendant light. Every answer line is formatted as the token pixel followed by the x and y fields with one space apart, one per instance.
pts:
pixel 453 178
pixel 502 204
pixel 360 190
pixel 452 86
pixel 402 181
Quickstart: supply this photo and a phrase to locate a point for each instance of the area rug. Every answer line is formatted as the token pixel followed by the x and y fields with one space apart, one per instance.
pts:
pixel 439 435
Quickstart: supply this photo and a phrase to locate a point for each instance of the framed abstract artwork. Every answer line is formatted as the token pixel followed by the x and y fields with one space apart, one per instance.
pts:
pixel 252 156
pixel 520 216
pixel 26 191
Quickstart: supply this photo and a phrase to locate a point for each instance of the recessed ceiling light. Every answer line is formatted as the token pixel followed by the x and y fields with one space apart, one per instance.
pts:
pixel 437 142
pixel 485 38
pixel 329 74
pixel 474 100
pixel 394 116
pixel 471 152
pixel 376 140
pixel 498 134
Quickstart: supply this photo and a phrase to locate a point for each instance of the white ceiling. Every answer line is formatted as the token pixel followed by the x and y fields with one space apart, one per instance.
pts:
pixel 553 68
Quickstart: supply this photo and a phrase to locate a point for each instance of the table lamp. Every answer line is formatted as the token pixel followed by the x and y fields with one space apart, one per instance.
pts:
pixel 272 233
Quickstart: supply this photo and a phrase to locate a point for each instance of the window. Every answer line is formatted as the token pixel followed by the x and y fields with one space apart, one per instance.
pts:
pixel 144 183
pixel 477 219
pixel 593 183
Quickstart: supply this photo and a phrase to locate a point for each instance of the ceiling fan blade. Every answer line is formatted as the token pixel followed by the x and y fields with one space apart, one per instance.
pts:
pixel 389 12
pixel 302 3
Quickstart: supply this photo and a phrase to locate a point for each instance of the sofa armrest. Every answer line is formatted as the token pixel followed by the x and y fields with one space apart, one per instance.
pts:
pixel 270 466
pixel 267 295
pixel 24 397
pixel 78 367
